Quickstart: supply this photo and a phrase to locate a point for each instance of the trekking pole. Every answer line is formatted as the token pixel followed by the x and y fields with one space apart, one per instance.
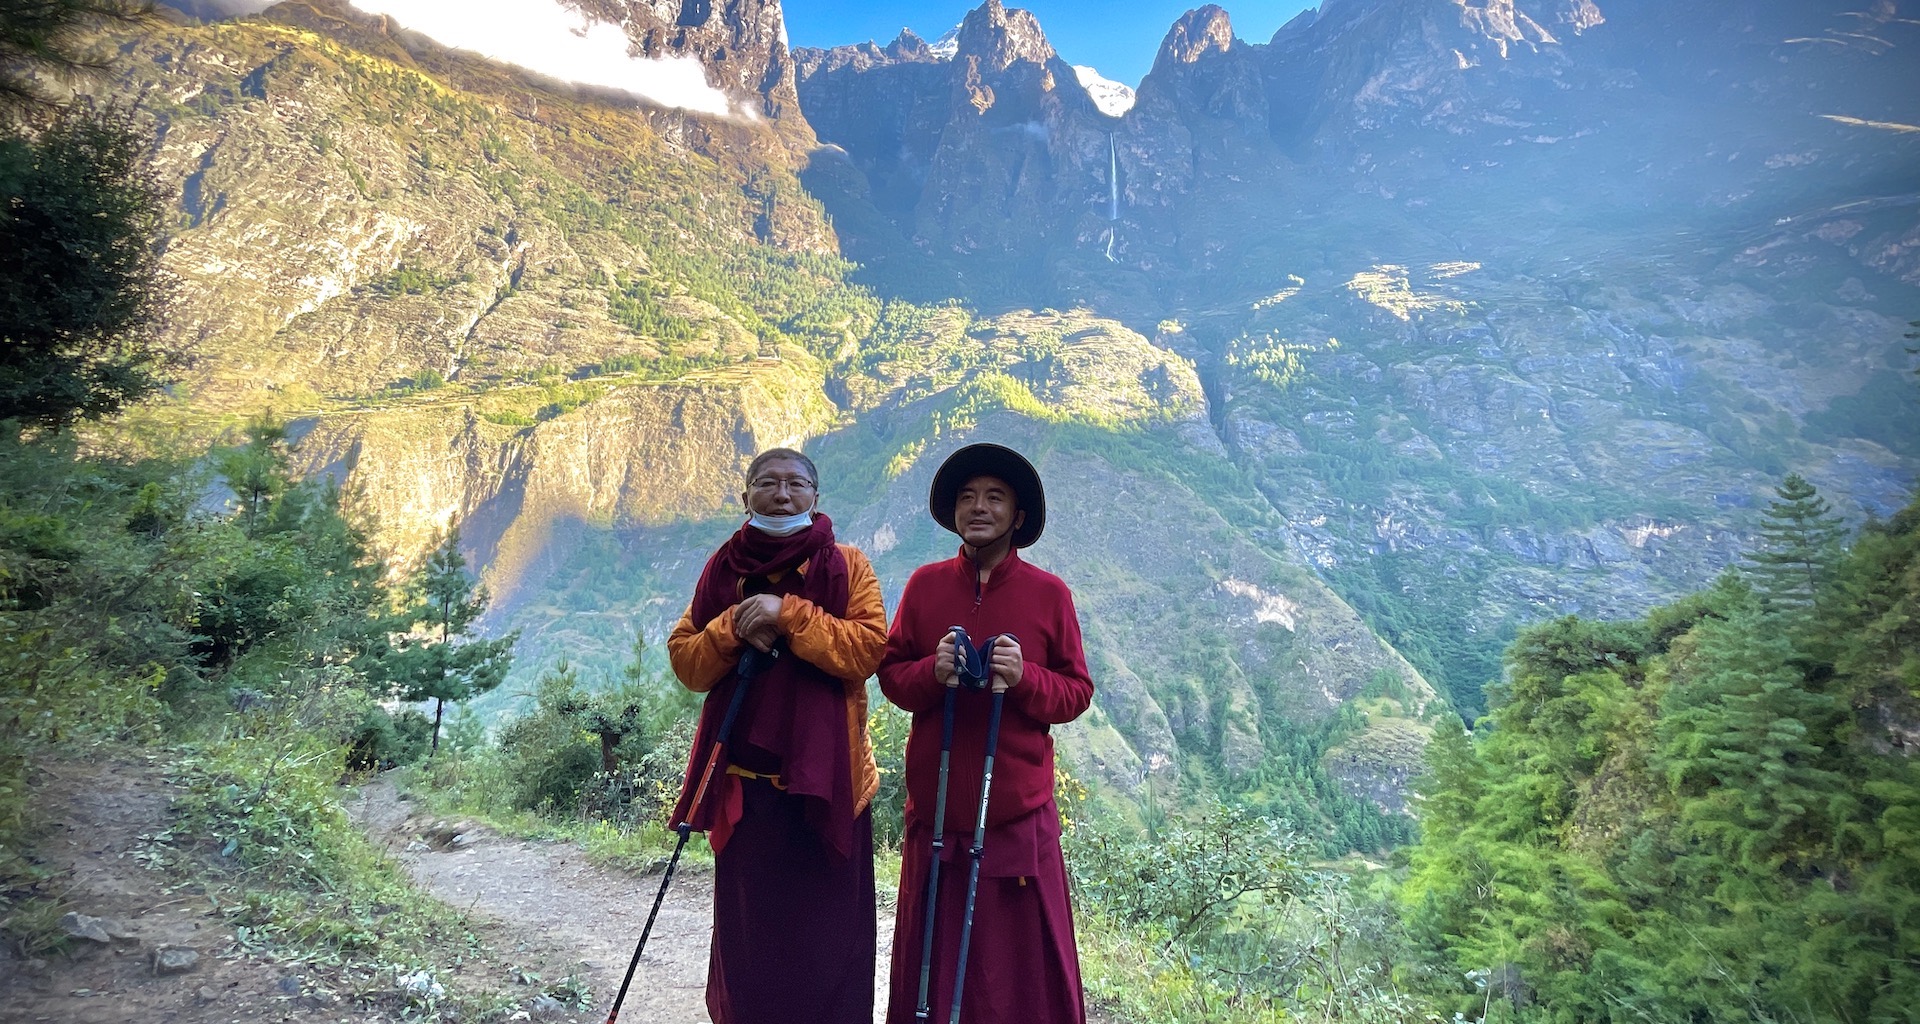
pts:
pixel 932 903
pixel 979 844
pixel 751 662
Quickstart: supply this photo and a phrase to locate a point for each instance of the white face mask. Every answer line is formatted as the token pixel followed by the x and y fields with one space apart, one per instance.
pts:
pixel 780 526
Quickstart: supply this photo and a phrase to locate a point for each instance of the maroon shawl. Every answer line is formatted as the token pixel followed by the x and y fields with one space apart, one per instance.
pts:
pixel 794 711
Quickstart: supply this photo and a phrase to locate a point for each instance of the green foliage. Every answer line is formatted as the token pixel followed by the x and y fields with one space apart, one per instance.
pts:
pixel 257 471
pixel 407 279
pixel 1801 537
pixel 127 606
pixel 888 726
pixel 260 824
pixel 632 303
pixel 386 740
pixel 81 297
pixel 1291 784
pixel 1184 881
pixel 299 590
pixel 547 774
pixel 438 658
pixel 1222 919
pixel 1702 815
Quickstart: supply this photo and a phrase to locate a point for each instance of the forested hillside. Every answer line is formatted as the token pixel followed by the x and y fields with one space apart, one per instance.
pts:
pixel 1708 813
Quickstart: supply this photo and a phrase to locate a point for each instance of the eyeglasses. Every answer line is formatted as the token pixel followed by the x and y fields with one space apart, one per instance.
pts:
pixel 769 484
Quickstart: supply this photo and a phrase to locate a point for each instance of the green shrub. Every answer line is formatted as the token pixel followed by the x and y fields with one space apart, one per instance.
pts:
pixel 385 740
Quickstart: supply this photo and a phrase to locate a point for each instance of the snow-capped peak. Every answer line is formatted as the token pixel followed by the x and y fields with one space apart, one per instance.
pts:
pixel 1112 98
pixel 948 45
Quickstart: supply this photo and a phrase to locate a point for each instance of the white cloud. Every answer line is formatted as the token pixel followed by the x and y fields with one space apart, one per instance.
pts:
pixel 546 38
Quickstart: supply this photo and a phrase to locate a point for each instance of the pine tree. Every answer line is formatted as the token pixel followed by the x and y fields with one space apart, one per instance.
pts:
pixel 257 471
pixel 440 660
pixel 1749 746
pixel 1800 537
pixel 82 297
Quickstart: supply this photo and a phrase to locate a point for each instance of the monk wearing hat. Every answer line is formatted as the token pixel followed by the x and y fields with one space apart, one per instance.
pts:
pixel 1021 965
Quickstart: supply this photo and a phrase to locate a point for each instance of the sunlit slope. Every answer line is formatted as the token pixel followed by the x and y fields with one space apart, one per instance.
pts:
pixel 1211 646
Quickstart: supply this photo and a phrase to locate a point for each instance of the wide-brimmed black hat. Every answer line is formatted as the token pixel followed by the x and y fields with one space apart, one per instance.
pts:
pixel 990 460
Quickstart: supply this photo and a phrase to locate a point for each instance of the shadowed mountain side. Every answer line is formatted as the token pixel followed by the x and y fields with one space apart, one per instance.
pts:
pixel 1511 309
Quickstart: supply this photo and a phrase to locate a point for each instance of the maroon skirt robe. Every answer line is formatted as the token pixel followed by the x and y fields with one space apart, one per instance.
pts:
pixel 1022 964
pixel 793 920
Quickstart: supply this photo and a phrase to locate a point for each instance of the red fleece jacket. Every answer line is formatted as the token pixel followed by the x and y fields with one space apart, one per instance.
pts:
pixel 1018 598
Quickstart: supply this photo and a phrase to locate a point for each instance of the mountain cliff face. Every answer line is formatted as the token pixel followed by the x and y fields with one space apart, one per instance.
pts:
pixel 743 44
pixel 966 153
pixel 356 215
pixel 1421 320
pixel 1510 309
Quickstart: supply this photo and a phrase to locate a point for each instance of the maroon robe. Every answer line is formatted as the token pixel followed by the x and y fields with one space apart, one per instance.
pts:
pixel 1022 965
pixel 793 928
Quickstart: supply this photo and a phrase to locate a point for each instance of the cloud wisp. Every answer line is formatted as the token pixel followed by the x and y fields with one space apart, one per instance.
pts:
pixel 548 39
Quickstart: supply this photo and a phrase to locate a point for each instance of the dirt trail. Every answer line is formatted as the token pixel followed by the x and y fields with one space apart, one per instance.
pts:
pixel 95 847
pixel 541 907
pixel 551 901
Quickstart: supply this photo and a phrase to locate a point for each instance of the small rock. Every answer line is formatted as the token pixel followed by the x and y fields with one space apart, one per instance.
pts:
pixel 206 995
pixel 119 930
pixel 416 846
pixel 464 840
pixel 81 993
pixel 421 985
pixel 80 926
pixel 174 960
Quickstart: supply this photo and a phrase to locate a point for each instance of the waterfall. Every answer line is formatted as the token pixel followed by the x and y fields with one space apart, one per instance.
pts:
pixel 1113 194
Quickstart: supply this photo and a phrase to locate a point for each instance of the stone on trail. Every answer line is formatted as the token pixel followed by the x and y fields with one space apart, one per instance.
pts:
pixel 174 960
pixel 80 926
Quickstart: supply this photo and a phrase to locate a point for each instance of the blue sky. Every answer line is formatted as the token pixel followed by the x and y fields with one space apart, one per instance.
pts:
pixel 1119 37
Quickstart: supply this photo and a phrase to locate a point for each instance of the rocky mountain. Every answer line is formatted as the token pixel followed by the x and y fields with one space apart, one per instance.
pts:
pixel 956 150
pixel 1422 320
pixel 565 318
pixel 1511 309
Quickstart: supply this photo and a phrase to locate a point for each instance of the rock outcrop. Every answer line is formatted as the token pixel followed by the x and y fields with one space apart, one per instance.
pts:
pixel 971 154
